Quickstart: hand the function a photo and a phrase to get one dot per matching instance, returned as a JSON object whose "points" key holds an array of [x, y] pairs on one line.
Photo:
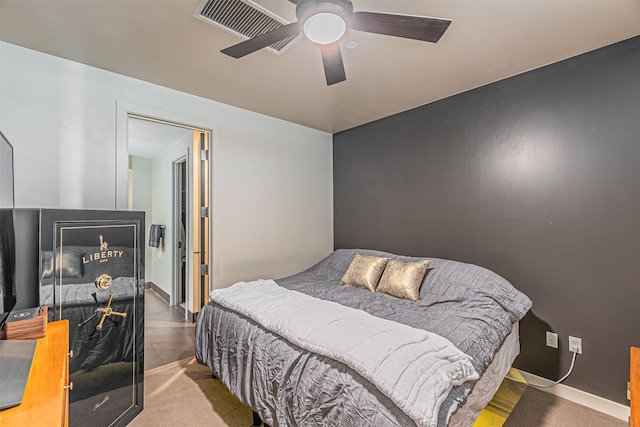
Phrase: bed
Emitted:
{"points": [[306, 350]]}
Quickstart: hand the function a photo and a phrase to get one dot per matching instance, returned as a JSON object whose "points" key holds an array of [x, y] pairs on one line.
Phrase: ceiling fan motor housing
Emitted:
{"points": [[308, 8]]}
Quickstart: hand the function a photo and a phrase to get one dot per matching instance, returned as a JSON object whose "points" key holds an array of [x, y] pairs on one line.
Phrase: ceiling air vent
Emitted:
{"points": [[243, 18]]}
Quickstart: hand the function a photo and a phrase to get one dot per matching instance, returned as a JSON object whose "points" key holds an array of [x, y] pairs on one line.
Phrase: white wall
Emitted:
{"points": [[141, 192], [162, 211], [272, 180]]}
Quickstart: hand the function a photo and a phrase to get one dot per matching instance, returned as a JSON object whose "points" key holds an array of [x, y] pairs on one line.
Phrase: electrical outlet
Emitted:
{"points": [[575, 344], [552, 339]]}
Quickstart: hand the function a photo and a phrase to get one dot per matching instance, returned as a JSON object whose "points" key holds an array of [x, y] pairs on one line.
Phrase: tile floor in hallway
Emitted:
{"points": [[167, 336]]}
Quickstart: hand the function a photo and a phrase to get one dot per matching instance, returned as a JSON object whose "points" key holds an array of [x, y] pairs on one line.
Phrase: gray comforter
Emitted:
{"points": [[466, 304]]}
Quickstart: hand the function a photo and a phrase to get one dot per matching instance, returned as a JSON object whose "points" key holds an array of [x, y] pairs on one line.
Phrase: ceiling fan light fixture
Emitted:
{"points": [[325, 22], [324, 28]]}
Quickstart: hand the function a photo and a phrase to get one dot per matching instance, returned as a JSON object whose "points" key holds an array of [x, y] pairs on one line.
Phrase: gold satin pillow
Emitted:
{"points": [[364, 271], [402, 279]]}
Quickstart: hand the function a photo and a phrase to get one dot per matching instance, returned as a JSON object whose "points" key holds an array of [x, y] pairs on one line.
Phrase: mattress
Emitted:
{"points": [[489, 382]]}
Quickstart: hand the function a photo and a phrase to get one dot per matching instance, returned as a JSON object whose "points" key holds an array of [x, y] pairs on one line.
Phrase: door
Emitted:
{"points": [[199, 221], [97, 286]]}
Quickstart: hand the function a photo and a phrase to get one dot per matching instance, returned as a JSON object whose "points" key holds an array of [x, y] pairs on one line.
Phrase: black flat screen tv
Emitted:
{"points": [[7, 232]]}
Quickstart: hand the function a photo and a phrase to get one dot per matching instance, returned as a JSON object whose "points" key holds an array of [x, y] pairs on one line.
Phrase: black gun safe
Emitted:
{"points": [[88, 267]]}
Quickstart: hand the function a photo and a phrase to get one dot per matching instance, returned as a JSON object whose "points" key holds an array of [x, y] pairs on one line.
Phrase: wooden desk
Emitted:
{"points": [[46, 397]]}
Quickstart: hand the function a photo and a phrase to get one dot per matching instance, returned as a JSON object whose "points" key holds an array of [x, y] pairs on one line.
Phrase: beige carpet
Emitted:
{"points": [[184, 393], [517, 405], [538, 408]]}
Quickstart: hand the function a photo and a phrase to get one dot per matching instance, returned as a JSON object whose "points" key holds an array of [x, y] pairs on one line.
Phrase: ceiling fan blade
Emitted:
{"points": [[407, 26], [333, 65], [249, 46]]}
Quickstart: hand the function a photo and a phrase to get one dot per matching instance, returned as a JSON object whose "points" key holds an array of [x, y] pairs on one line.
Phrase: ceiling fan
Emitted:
{"points": [[324, 22]]}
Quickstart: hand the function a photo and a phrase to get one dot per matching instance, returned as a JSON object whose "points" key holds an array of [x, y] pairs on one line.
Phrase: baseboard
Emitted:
{"points": [[580, 397], [192, 316], [165, 296], [158, 290]]}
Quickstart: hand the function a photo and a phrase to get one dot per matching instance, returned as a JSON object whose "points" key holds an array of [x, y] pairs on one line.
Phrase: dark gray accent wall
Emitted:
{"points": [[536, 177]]}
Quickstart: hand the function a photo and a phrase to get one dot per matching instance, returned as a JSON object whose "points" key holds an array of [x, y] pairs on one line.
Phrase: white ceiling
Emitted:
{"points": [[160, 41], [148, 138]]}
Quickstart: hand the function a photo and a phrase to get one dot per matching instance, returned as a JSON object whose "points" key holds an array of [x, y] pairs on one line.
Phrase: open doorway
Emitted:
{"points": [[175, 166], [181, 214]]}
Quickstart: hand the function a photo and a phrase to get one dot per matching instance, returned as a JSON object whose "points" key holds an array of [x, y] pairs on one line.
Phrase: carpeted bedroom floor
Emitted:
{"points": [[517, 405], [184, 393], [179, 391]]}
